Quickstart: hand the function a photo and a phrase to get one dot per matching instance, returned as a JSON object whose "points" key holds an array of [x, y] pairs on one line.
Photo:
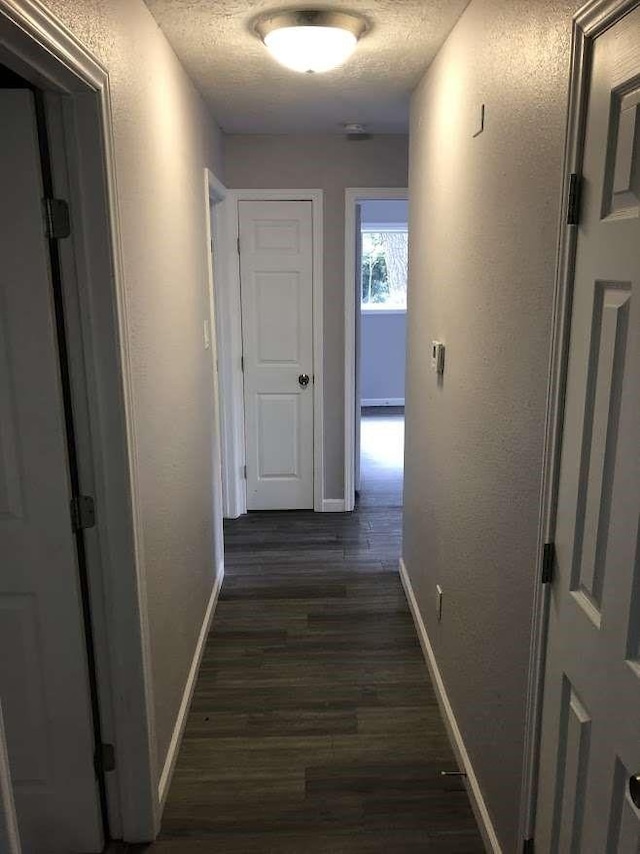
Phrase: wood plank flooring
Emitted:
{"points": [[314, 727]]}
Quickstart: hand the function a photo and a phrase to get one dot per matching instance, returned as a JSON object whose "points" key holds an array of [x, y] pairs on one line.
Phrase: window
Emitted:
{"points": [[385, 253]]}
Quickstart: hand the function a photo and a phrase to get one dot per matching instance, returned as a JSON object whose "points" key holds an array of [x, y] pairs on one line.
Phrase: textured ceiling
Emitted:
{"points": [[250, 93]]}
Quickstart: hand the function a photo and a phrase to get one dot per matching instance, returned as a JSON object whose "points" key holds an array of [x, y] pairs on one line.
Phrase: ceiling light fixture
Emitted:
{"points": [[310, 40]]}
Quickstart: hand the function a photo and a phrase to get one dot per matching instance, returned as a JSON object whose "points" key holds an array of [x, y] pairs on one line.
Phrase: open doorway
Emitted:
{"points": [[383, 263], [377, 264]]}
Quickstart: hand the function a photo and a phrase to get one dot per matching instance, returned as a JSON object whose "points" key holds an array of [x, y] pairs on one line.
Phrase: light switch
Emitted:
{"points": [[437, 357]]}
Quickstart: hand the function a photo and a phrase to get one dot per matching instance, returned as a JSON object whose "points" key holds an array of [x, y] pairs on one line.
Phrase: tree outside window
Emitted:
{"points": [[384, 269]]}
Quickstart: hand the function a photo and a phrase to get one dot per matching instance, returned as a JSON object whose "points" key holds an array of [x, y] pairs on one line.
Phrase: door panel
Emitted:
{"points": [[44, 681], [277, 318], [591, 727], [276, 264], [278, 416]]}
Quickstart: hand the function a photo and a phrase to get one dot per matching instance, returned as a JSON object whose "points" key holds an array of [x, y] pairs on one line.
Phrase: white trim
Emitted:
{"points": [[333, 505], [234, 353], [353, 195], [187, 695], [381, 311], [217, 190], [473, 786], [9, 834], [229, 329], [592, 20], [225, 453], [383, 226], [382, 401], [214, 193], [34, 43]]}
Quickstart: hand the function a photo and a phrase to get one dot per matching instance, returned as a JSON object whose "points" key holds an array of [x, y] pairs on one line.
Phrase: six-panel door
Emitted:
{"points": [[276, 275], [591, 717]]}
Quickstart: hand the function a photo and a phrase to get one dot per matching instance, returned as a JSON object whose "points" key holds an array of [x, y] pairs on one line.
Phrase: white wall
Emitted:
{"points": [[385, 211], [164, 137], [483, 225], [382, 356], [331, 163]]}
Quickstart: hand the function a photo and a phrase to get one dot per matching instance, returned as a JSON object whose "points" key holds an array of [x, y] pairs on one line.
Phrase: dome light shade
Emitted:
{"points": [[310, 41], [310, 48]]}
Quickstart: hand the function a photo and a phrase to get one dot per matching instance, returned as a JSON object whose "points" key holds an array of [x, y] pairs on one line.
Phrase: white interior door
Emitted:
{"points": [[591, 714], [276, 276], [44, 685]]}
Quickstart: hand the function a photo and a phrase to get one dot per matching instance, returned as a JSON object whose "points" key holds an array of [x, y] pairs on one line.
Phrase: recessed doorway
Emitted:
{"points": [[375, 334]]}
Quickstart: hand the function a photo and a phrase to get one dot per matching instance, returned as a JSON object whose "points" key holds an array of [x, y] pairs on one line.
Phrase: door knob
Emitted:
{"points": [[634, 789], [303, 379]]}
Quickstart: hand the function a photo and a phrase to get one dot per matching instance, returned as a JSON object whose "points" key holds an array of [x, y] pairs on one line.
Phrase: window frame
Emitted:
{"points": [[375, 228]]}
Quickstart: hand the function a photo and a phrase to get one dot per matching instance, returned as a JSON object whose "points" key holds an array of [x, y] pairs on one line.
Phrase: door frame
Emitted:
{"points": [[9, 834], [354, 195], [588, 23], [230, 325], [39, 48], [216, 203]]}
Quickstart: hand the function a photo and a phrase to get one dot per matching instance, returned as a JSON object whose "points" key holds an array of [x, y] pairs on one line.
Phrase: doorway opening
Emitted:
{"points": [[377, 264], [72, 597]]}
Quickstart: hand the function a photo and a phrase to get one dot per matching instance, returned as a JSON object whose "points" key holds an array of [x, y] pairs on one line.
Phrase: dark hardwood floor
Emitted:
{"points": [[314, 726]]}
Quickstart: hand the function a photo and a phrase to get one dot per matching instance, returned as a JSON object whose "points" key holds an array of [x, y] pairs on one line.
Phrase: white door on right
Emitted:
{"points": [[590, 755], [276, 277]]}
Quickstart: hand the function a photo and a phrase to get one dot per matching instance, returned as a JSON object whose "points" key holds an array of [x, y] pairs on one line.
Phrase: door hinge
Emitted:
{"points": [[57, 223], [548, 563], [83, 512], [238, 245], [527, 846], [104, 759], [242, 364], [573, 199], [244, 472]]}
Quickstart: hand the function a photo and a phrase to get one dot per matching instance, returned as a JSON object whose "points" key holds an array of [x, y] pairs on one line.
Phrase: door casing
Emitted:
{"points": [[230, 330], [37, 46], [9, 834], [588, 23]]}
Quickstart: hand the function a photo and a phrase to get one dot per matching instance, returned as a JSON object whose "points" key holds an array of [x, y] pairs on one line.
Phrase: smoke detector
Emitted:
{"points": [[356, 131]]}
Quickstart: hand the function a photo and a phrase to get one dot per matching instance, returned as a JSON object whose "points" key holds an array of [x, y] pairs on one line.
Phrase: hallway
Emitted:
{"points": [[314, 727], [382, 459]]}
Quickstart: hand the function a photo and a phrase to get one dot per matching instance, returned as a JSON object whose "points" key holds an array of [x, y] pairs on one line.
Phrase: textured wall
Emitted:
{"points": [[485, 211], [382, 355], [331, 163], [164, 137]]}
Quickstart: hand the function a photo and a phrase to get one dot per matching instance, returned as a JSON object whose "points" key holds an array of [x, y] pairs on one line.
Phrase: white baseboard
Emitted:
{"points": [[181, 720], [382, 401], [475, 793], [333, 505]]}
